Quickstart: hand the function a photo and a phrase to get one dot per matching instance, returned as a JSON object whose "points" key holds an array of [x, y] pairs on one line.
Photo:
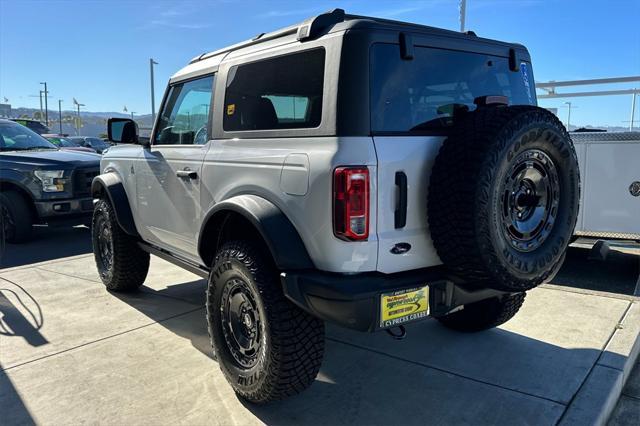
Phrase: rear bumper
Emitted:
{"points": [[353, 301]]}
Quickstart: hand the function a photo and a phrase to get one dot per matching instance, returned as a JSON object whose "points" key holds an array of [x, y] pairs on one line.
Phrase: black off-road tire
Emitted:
{"points": [[485, 314], [466, 199], [290, 341], [17, 220], [129, 264]]}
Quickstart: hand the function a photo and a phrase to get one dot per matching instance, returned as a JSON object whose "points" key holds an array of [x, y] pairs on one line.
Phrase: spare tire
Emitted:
{"points": [[503, 196]]}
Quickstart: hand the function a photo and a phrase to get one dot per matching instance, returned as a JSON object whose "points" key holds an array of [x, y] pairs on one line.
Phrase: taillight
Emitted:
{"points": [[351, 203]]}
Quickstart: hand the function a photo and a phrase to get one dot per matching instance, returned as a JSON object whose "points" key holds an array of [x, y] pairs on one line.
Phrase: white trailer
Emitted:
{"points": [[610, 176]]}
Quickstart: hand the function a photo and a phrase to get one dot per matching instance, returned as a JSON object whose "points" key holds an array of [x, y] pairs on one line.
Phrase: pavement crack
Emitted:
{"points": [[101, 339], [68, 275], [597, 362]]}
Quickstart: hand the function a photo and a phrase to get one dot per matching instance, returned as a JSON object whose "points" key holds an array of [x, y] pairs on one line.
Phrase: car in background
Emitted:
{"points": [[67, 145], [41, 184], [34, 125], [90, 142]]}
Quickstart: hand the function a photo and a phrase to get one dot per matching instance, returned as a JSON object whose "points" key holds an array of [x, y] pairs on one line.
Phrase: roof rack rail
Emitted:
{"points": [[313, 26], [308, 29]]}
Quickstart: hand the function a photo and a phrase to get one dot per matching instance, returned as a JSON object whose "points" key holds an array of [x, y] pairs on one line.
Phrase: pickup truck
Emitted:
{"points": [[41, 184]]}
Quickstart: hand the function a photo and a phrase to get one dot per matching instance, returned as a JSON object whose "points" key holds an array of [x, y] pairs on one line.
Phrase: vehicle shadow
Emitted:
{"points": [[372, 379], [13, 323], [619, 273], [13, 409], [191, 324], [48, 243]]}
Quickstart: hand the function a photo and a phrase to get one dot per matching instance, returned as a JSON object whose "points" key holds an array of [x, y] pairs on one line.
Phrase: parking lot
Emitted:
{"points": [[73, 353]]}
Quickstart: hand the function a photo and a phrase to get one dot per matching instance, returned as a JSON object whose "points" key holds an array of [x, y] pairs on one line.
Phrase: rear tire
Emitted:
{"points": [[122, 264], [485, 314], [267, 347], [17, 220]]}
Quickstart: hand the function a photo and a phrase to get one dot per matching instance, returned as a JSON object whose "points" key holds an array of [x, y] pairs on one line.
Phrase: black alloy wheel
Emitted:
{"points": [[242, 323], [529, 205], [104, 244]]}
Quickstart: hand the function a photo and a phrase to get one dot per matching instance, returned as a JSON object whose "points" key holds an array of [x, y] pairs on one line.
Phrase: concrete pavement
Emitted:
{"points": [[71, 353]]}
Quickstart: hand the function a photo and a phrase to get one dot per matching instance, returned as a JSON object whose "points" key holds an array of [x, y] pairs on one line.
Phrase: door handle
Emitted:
{"points": [[400, 214], [186, 173]]}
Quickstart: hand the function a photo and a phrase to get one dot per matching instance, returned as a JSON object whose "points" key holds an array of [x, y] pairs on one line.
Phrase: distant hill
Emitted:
{"points": [[95, 123], [92, 123]]}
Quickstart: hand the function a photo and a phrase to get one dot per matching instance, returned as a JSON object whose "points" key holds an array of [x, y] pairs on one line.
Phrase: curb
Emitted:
{"points": [[597, 397]]}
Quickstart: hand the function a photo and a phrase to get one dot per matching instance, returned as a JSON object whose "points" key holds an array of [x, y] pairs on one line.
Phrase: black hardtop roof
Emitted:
{"points": [[338, 20]]}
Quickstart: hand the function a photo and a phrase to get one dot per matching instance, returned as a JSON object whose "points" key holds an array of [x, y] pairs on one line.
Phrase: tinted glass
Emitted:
{"points": [[277, 93], [186, 113], [36, 126], [423, 93], [15, 137], [97, 143]]}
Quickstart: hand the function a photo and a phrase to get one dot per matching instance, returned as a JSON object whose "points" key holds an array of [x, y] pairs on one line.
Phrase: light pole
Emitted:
{"points": [[60, 114], [46, 107], [153, 99], [633, 111], [41, 112], [463, 14], [78, 105], [568, 115], [132, 112]]}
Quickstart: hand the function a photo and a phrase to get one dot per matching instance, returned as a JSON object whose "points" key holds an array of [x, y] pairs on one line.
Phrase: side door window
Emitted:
{"points": [[184, 118], [168, 174]]}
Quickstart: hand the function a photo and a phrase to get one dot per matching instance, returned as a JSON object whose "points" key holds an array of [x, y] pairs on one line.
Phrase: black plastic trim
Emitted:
{"points": [[406, 46], [353, 300], [184, 264], [277, 231], [111, 184]]}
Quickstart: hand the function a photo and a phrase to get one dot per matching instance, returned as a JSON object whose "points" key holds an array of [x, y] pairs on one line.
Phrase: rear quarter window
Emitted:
{"points": [[284, 92], [422, 94]]}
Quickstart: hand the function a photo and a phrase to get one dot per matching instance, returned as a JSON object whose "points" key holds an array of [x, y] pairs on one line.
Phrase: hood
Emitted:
{"points": [[52, 158], [78, 148]]}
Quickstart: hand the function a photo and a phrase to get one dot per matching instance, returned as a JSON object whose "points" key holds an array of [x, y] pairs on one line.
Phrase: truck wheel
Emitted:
{"points": [[16, 217], [267, 347], [485, 314], [503, 197], [121, 263]]}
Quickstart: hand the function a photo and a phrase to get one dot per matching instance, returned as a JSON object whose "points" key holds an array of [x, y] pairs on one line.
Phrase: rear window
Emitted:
{"points": [[276, 93], [422, 94]]}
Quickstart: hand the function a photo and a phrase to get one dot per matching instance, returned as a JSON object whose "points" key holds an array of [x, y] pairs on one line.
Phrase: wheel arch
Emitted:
{"points": [[272, 226], [8, 185], [110, 184]]}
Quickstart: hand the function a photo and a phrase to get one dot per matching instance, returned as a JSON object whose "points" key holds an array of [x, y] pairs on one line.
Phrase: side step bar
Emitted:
{"points": [[184, 264]]}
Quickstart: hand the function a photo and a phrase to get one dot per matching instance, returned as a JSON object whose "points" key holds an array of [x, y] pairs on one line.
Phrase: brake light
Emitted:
{"points": [[351, 203]]}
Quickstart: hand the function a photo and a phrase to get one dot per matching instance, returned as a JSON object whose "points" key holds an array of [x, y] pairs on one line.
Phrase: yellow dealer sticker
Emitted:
{"points": [[403, 306], [231, 109]]}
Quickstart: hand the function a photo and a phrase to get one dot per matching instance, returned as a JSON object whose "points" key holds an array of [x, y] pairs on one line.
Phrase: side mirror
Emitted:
{"points": [[122, 130]]}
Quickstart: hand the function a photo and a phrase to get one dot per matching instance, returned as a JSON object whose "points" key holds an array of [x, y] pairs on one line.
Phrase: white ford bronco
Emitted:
{"points": [[348, 169]]}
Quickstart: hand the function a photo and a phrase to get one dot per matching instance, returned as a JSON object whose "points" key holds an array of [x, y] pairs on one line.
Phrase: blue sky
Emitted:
{"points": [[98, 51]]}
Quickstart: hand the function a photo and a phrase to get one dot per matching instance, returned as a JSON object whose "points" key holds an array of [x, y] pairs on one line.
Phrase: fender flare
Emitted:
{"points": [[111, 184], [277, 231]]}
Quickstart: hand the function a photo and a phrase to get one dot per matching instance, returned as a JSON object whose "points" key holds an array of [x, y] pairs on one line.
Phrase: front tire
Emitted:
{"points": [[484, 314], [267, 347], [121, 263], [16, 217]]}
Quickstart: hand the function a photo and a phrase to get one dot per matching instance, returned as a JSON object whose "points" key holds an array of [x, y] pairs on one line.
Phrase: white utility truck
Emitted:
{"points": [[610, 176]]}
